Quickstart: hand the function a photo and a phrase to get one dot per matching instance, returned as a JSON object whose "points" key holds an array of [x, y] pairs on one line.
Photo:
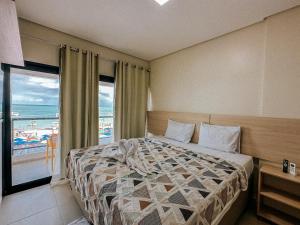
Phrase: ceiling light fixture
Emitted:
{"points": [[161, 2]]}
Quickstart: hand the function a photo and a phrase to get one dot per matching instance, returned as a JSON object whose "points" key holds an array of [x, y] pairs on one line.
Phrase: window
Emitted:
{"points": [[106, 109], [1, 93]]}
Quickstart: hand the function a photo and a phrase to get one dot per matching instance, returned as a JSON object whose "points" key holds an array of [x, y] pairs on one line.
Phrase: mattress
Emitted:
{"points": [[245, 161], [187, 186]]}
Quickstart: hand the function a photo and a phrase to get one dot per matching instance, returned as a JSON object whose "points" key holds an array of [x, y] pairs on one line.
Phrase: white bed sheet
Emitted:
{"points": [[245, 161]]}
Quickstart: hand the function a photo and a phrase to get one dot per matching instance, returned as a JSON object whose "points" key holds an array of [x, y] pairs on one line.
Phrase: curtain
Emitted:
{"points": [[78, 101], [131, 94]]}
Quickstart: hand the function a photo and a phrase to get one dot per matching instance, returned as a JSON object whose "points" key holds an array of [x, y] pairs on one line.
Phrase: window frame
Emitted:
{"points": [[107, 79]]}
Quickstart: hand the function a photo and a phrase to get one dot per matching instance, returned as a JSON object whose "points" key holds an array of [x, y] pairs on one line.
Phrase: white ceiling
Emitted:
{"points": [[145, 29]]}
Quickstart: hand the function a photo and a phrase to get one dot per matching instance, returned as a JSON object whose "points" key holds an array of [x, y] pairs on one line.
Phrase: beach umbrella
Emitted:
{"points": [[19, 141], [45, 137]]}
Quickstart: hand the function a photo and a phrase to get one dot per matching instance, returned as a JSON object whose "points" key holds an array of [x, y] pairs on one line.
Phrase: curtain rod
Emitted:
{"points": [[139, 67], [60, 45], [57, 45], [126, 64], [83, 51]]}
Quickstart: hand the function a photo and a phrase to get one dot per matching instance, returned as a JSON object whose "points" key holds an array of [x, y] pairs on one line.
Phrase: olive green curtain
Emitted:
{"points": [[131, 95], [78, 100]]}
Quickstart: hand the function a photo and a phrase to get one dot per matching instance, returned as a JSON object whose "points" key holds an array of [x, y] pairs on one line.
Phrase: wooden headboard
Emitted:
{"points": [[271, 139]]}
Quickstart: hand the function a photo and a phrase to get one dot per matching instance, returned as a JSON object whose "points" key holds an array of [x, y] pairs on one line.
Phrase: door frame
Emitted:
{"points": [[7, 187]]}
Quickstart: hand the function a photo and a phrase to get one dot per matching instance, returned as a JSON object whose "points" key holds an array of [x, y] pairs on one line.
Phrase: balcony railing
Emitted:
{"points": [[106, 129], [30, 134]]}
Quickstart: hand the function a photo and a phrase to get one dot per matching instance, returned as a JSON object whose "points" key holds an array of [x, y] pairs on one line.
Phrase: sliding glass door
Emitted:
{"points": [[1, 123], [31, 110]]}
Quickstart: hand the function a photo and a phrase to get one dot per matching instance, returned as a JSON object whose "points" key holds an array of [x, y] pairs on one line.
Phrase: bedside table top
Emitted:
{"points": [[277, 172]]}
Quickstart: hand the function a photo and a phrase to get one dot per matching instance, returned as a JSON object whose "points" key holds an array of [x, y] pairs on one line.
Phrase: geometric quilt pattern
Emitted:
{"points": [[185, 188]]}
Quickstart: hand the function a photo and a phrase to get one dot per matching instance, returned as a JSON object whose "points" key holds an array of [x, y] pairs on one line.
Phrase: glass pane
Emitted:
{"points": [[106, 112], [35, 101], [1, 93]]}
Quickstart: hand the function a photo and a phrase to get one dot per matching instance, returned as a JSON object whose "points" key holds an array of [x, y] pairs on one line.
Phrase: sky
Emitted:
{"points": [[106, 96], [33, 90]]}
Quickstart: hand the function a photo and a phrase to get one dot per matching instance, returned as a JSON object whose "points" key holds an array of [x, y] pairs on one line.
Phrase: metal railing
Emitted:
{"points": [[29, 145], [39, 144], [33, 118], [48, 118]]}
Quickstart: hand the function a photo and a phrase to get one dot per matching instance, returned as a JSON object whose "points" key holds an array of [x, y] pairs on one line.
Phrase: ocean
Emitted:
{"points": [[35, 110], [41, 111]]}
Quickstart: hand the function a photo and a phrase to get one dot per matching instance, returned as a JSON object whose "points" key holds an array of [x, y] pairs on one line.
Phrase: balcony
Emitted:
{"points": [[29, 145]]}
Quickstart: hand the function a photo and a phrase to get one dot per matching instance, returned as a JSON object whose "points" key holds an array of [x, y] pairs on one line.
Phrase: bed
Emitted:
{"points": [[190, 185]]}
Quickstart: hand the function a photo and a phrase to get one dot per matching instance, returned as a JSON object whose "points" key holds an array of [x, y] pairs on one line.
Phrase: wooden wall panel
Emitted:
{"points": [[157, 121], [271, 139]]}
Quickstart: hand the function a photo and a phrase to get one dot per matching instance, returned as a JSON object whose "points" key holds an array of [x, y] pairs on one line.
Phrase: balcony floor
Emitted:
{"points": [[30, 170]]}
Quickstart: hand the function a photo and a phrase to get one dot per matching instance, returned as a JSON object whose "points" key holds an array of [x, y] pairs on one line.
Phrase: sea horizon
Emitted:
{"points": [[42, 111]]}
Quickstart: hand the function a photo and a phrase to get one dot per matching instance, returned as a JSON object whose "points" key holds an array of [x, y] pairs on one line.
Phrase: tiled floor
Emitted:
{"points": [[57, 206], [40, 206]]}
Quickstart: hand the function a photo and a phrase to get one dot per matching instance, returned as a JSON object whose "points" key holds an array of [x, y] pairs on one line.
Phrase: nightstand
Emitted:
{"points": [[278, 196]]}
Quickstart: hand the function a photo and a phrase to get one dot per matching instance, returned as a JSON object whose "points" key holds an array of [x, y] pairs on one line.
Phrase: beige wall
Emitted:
{"points": [[281, 95], [253, 71], [41, 44]]}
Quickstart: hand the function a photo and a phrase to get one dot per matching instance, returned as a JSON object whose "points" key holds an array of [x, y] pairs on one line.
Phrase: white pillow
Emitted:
{"points": [[222, 138], [182, 132]]}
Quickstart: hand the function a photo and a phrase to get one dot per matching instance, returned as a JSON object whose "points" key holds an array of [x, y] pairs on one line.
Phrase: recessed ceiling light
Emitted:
{"points": [[161, 2]]}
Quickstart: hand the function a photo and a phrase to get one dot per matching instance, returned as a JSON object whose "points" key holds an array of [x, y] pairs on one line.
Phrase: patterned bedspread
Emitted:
{"points": [[184, 187]]}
